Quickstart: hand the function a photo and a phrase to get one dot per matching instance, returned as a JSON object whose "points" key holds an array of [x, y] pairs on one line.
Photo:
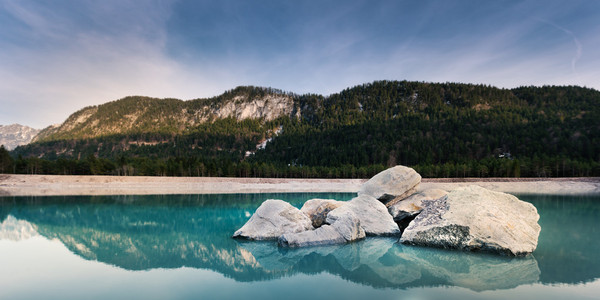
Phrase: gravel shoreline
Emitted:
{"points": [[57, 185]]}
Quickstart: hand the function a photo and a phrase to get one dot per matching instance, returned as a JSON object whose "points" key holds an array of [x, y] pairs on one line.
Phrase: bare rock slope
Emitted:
{"points": [[137, 114], [15, 135]]}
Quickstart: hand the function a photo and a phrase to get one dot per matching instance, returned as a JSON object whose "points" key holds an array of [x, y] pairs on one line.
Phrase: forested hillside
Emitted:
{"points": [[441, 129]]}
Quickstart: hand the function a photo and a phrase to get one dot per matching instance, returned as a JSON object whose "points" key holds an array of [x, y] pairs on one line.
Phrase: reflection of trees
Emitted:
{"points": [[145, 232], [139, 233]]}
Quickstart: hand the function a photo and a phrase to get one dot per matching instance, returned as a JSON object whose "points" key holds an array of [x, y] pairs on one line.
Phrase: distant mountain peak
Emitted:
{"points": [[15, 135]]}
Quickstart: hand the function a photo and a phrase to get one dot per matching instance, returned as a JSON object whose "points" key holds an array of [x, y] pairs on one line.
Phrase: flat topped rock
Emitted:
{"points": [[391, 185], [476, 219], [272, 219]]}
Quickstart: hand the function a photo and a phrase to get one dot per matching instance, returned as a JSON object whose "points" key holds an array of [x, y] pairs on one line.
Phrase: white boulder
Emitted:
{"points": [[272, 219], [391, 185], [476, 219], [345, 221], [372, 214], [341, 226]]}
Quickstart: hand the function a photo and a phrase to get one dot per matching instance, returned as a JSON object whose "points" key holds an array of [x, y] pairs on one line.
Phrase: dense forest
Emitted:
{"points": [[440, 129]]}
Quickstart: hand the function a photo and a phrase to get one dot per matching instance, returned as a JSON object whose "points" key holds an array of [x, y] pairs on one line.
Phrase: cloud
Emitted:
{"points": [[57, 57], [59, 64], [578, 45]]}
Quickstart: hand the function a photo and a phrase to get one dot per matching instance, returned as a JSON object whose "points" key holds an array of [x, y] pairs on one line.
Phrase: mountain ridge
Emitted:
{"points": [[441, 129], [139, 114]]}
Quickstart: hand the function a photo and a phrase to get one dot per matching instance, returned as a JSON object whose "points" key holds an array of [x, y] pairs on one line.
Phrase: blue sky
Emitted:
{"points": [[59, 56]]}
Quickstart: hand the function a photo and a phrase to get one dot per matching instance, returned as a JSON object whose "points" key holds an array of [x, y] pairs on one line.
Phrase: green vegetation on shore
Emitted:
{"points": [[440, 129]]}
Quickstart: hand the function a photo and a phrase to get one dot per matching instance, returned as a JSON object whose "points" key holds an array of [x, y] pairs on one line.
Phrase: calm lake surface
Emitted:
{"points": [[179, 247]]}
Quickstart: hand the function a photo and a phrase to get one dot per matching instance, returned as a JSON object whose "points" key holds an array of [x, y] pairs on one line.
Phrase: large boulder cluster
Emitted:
{"points": [[390, 204]]}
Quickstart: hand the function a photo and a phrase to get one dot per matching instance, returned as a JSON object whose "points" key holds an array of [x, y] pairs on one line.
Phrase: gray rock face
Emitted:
{"points": [[272, 219], [373, 215], [317, 209], [391, 185], [268, 107], [413, 205], [476, 219]]}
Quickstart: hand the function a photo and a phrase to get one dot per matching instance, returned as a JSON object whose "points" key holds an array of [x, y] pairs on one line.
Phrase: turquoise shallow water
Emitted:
{"points": [[179, 247]]}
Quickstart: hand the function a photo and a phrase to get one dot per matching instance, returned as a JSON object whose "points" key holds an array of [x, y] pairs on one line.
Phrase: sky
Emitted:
{"points": [[59, 56]]}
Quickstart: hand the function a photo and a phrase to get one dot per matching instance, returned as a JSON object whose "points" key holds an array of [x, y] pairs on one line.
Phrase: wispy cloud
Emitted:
{"points": [[57, 57], [60, 65], [578, 45]]}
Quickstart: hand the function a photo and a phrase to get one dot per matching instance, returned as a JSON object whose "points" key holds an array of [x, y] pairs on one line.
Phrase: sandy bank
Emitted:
{"points": [[48, 185], [41, 185]]}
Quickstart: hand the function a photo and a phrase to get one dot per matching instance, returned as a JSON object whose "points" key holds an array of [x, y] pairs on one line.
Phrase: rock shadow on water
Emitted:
{"points": [[382, 262]]}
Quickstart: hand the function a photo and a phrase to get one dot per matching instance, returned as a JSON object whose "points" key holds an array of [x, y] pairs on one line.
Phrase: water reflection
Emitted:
{"points": [[381, 262], [147, 232], [568, 248]]}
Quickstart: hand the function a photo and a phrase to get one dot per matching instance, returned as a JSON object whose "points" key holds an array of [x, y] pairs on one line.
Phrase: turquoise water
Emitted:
{"points": [[179, 247]]}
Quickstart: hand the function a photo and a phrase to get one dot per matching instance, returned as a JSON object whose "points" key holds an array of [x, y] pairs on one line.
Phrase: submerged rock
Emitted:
{"points": [[391, 185], [413, 205], [272, 219], [476, 219], [317, 209]]}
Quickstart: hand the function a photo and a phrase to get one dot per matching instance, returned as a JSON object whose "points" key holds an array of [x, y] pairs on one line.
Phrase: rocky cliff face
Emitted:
{"points": [[15, 135], [269, 108], [144, 114]]}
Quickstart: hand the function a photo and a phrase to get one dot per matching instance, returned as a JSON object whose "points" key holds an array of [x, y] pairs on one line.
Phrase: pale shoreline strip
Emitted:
{"points": [[57, 185]]}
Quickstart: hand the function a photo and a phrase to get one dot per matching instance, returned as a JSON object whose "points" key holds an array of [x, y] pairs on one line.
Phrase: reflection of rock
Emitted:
{"points": [[474, 271], [394, 265], [391, 185], [272, 219], [474, 218], [16, 230]]}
